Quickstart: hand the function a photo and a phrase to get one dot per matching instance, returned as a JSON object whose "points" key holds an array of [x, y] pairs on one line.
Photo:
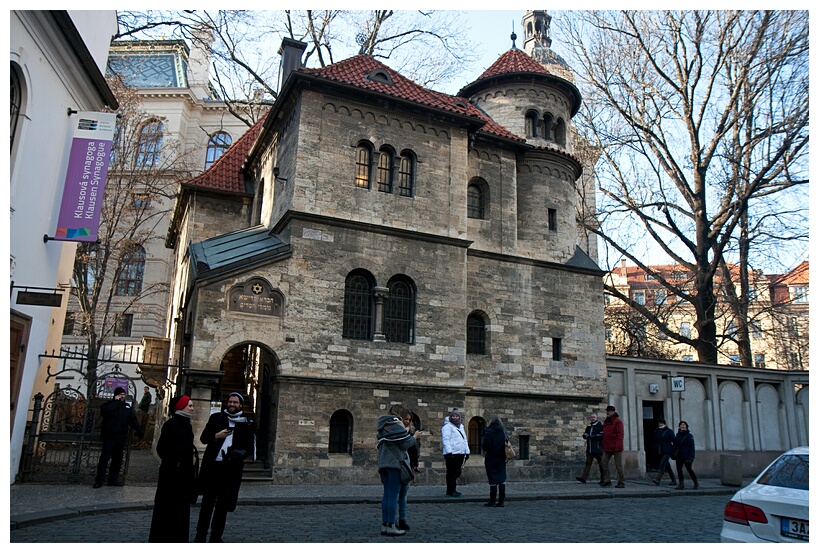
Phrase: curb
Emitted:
{"points": [[40, 517]]}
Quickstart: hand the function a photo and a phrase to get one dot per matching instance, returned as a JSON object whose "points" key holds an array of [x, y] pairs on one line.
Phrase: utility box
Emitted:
{"points": [[730, 470]]}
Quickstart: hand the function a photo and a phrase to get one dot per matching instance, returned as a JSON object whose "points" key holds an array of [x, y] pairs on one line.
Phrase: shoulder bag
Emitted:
{"points": [[508, 450]]}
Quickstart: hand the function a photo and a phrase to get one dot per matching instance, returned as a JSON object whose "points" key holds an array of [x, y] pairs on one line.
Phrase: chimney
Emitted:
{"points": [[290, 52]]}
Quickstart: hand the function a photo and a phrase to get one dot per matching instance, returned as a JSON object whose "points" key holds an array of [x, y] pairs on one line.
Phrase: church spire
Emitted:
{"points": [[537, 42]]}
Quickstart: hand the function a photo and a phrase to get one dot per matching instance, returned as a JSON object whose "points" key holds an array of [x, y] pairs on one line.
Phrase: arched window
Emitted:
{"points": [[16, 101], [217, 144], [475, 201], [476, 334], [474, 434], [399, 310], [560, 132], [150, 144], [548, 123], [385, 170], [358, 306], [341, 432], [531, 124], [131, 272], [406, 174], [363, 164]]}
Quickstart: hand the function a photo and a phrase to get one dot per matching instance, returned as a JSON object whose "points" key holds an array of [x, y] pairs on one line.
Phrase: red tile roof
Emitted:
{"points": [[514, 61], [225, 174], [356, 71]]}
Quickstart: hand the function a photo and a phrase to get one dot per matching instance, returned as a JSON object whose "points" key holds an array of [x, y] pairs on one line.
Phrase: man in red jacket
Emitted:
{"points": [[613, 433]]}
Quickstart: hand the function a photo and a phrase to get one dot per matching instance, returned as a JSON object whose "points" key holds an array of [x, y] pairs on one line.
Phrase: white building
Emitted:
{"points": [[57, 62]]}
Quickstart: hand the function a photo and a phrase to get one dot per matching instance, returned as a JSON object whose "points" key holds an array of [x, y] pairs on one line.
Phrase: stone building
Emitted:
{"points": [[372, 242]]}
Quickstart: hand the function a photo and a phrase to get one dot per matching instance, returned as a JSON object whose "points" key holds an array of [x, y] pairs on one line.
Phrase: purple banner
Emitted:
{"points": [[85, 177]]}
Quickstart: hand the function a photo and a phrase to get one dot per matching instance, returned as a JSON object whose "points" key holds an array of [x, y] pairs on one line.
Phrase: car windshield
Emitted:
{"points": [[789, 471]]}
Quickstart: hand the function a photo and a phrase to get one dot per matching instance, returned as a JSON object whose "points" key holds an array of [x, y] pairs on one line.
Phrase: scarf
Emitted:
{"points": [[232, 420]]}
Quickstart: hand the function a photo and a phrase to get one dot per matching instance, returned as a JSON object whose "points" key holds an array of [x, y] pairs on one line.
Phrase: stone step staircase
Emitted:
{"points": [[255, 472]]}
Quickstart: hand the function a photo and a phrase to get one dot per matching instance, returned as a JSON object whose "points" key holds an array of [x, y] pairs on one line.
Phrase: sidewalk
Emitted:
{"points": [[36, 503]]}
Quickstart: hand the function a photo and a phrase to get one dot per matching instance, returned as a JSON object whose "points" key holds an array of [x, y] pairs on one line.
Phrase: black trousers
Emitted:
{"points": [[112, 449], [219, 497], [454, 465]]}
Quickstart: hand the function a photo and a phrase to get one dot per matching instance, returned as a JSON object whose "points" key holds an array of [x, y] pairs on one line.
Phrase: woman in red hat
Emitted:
{"points": [[176, 487]]}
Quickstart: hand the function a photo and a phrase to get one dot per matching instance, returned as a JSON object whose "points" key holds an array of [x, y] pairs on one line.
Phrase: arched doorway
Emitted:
{"points": [[250, 369]]}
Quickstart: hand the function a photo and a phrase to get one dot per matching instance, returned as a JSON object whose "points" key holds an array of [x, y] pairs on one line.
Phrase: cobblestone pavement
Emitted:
{"points": [[684, 519]]}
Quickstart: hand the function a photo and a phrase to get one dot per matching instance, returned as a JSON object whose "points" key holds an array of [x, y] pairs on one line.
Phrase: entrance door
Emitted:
{"points": [[652, 412], [19, 337], [250, 370]]}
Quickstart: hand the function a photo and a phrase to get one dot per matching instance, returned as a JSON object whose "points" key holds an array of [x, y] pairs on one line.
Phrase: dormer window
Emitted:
{"points": [[380, 76]]}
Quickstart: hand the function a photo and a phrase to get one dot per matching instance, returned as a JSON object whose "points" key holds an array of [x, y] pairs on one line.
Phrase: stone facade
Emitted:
{"points": [[543, 367]]}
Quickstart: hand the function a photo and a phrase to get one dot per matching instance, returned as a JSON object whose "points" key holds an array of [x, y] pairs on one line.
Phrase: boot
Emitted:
{"points": [[493, 492], [501, 495], [681, 486], [696, 483], [402, 524]]}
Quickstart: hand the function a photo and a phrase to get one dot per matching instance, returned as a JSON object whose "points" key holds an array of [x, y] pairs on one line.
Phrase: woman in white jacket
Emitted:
{"points": [[456, 450]]}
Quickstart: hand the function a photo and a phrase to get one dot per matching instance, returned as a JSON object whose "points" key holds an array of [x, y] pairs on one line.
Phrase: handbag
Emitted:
{"points": [[508, 450], [407, 474]]}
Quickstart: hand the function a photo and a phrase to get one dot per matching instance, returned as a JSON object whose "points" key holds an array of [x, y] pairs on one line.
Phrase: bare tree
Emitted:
{"points": [[430, 47], [143, 175], [702, 122]]}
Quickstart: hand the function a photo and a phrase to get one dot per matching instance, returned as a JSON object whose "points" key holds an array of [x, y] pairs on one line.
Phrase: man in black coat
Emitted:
{"points": [[664, 441], [594, 447], [117, 416], [230, 438]]}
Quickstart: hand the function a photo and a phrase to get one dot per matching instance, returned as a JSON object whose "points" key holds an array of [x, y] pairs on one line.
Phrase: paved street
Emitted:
{"points": [[689, 518]]}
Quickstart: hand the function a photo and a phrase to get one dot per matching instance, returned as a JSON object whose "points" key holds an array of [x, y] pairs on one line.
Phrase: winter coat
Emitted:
{"points": [[176, 484], [453, 438], [684, 446], [117, 416], [393, 442], [492, 445], [664, 440], [594, 438], [613, 433], [226, 479]]}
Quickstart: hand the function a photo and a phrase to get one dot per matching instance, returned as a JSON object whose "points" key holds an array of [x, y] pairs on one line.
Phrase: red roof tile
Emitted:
{"points": [[225, 174], [514, 61], [357, 71]]}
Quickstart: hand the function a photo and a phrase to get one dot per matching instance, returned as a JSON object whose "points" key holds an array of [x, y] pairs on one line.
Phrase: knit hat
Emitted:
{"points": [[118, 390], [611, 408], [181, 403], [237, 394]]}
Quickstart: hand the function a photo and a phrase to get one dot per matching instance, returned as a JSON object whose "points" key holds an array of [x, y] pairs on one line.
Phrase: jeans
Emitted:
{"points": [[665, 466], [391, 479], [402, 501]]}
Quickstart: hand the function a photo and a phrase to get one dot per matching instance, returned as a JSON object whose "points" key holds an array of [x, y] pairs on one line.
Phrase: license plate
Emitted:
{"points": [[795, 528]]}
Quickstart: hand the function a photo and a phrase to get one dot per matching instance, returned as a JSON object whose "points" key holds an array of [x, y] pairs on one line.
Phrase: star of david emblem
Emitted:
{"points": [[257, 288]]}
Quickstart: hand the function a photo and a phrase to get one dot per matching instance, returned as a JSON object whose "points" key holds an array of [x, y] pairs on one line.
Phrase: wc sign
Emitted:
{"points": [[677, 383]]}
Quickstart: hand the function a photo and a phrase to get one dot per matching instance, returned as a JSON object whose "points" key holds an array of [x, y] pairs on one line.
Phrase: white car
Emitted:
{"points": [[774, 507]]}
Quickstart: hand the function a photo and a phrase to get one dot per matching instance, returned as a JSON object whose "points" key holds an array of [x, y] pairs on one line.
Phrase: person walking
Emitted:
{"points": [[455, 449], [684, 455], [117, 417], [412, 453], [176, 486], [664, 442], [230, 438], [393, 443], [613, 434], [493, 445], [594, 447]]}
